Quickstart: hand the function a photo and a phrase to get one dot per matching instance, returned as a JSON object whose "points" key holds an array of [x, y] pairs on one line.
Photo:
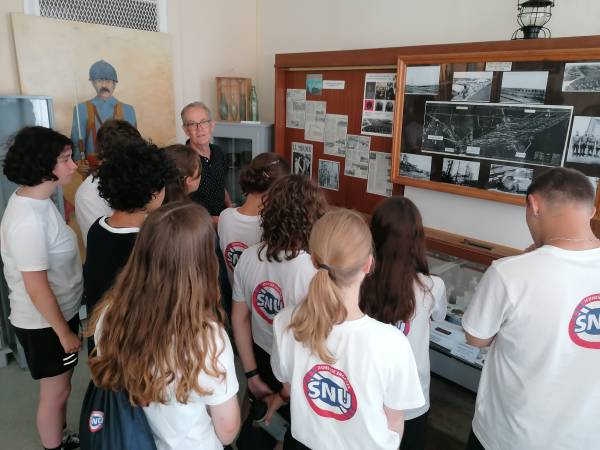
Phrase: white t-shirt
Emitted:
{"points": [[236, 233], [340, 406], [267, 287], [539, 388], [89, 205], [178, 426], [35, 237], [429, 303]]}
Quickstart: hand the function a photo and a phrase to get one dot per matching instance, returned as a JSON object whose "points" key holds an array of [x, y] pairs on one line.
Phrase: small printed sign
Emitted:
{"points": [[334, 84], [498, 66]]}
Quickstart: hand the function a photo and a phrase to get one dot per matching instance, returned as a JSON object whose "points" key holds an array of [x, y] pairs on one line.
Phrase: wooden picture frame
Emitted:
{"points": [[541, 59]]}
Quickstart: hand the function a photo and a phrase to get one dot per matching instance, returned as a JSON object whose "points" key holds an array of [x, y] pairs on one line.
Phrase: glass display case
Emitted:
{"points": [[450, 355], [241, 142]]}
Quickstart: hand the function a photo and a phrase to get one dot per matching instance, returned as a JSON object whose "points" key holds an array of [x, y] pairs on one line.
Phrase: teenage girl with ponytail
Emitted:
{"points": [[239, 228], [343, 371], [402, 292]]}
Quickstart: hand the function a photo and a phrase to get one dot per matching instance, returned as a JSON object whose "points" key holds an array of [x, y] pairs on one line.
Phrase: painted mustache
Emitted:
{"points": [[104, 89]]}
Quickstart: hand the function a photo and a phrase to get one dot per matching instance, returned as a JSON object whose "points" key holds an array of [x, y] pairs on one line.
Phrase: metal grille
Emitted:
{"points": [[136, 14]]}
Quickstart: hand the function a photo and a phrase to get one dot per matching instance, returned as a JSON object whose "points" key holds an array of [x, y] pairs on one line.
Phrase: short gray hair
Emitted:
{"points": [[195, 105]]}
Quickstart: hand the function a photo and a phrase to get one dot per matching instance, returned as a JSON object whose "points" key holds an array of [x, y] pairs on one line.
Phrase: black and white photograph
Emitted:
{"points": [[472, 86], [378, 112], [510, 179], [415, 166], [302, 155], [524, 87], [584, 147], [462, 173], [581, 77], [422, 80], [527, 134], [329, 174]]}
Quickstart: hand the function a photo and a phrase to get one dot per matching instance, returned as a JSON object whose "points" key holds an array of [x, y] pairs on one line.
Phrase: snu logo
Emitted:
{"points": [[329, 392], [584, 327], [267, 300], [233, 251], [96, 422]]}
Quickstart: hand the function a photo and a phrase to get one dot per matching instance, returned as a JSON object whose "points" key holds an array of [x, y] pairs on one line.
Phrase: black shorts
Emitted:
{"points": [[44, 352]]}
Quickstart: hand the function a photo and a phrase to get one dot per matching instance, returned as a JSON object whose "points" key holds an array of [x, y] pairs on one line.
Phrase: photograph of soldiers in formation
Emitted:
{"points": [[329, 174], [581, 77], [584, 147], [535, 135]]}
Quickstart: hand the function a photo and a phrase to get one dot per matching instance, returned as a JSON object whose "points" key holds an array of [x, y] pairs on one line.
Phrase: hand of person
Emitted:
{"points": [[274, 402], [70, 342], [258, 387], [83, 167]]}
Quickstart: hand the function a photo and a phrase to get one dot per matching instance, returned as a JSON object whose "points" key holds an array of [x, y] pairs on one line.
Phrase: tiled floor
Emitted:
{"points": [[449, 419]]}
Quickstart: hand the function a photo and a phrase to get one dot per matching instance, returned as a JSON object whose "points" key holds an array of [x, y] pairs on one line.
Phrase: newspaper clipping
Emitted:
{"points": [[336, 127], [380, 169], [295, 101], [302, 156], [314, 127], [357, 156]]}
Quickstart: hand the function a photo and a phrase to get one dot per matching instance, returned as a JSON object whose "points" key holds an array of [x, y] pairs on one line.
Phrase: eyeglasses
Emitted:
{"points": [[202, 124]]}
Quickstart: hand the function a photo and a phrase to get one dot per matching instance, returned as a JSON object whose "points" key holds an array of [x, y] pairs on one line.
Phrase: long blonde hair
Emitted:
{"points": [[162, 319], [340, 245]]}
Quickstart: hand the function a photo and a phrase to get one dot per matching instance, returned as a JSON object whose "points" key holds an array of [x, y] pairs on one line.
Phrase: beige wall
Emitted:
{"points": [[316, 25], [9, 77], [210, 38]]}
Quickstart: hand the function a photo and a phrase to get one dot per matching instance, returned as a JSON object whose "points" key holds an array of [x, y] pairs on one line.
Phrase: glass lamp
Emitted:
{"points": [[532, 16]]}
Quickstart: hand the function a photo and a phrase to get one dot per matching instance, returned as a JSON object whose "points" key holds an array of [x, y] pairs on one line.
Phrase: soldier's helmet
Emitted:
{"points": [[101, 70]]}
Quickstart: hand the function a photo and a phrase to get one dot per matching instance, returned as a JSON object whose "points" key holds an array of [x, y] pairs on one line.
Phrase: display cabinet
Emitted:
{"points": [[460, 262], [241, 142]]}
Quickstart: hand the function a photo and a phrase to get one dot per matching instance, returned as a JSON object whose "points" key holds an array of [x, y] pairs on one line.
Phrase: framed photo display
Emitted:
{"points": [[485, 124]]}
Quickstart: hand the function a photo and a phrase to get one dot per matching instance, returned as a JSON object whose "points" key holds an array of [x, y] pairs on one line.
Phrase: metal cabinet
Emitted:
{"points": [[241, 142]]}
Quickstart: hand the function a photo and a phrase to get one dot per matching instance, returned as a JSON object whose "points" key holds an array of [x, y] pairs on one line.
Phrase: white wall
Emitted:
{"points": [[287, 26]]}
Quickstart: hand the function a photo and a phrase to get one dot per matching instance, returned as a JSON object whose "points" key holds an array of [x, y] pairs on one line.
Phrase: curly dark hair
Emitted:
{"points": [[262, 172], [292, 205], [32, 155], [131, 176], [112, 134]]}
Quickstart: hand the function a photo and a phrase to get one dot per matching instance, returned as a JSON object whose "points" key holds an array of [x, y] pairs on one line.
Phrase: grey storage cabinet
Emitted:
{"points": [[241, 142]]}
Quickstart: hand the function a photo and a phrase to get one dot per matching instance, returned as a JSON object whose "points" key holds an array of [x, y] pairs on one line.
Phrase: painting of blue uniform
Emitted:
{"points": [[93, 113]]}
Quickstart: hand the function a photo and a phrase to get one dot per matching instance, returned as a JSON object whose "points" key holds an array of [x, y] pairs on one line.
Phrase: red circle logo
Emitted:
{"points": [[584, 327], [267, 300], [329, 392], [233, 251]]}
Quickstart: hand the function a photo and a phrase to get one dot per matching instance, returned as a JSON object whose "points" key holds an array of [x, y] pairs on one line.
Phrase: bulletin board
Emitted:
{"points": [[353, 66]]}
